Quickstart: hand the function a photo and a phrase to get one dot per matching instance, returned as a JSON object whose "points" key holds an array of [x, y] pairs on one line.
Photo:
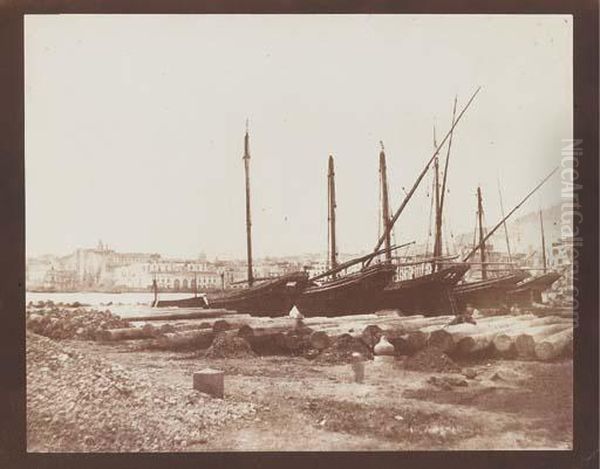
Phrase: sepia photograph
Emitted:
{"points": [[300, 232]]}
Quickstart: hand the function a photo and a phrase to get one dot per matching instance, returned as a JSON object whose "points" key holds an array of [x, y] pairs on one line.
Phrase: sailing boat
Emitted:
{"points": [[261, 297], [486, 292], [491, 292], [349, 294], [530, 290], [429, 293]]}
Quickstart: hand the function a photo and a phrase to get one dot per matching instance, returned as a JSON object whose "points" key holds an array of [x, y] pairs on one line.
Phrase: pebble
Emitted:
{"points": [[95, 407]]}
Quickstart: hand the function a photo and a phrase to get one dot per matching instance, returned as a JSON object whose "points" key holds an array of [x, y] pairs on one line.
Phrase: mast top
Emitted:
{"points": [[246, 144], [382, 147]]}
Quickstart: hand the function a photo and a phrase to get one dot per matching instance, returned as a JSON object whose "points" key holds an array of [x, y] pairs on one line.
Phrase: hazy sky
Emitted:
{"points": [[134, 125]]}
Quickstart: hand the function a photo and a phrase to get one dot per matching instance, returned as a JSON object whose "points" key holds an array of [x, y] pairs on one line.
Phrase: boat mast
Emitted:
{"points": [[443, 192], [513, 210], [445, 180], [543, 242], [331, 212], [410, 193], [481, 240], [385, 203], [437, 245], [246, 159]]}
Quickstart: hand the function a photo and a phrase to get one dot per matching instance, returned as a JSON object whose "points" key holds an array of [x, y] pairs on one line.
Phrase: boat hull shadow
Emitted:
{"points": [[355, 293], [530, 290], [489, 293], [427, 294], [269, 298]]}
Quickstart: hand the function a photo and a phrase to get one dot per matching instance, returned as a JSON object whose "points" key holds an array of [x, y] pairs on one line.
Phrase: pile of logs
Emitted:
{"points": [[511, 336]]}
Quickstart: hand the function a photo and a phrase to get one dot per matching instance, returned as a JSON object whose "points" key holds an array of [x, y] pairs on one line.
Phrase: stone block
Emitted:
{"points": [[210, 382]]}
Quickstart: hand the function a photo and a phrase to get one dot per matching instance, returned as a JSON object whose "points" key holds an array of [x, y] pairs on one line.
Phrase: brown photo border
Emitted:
{"points": [[12, 241]]}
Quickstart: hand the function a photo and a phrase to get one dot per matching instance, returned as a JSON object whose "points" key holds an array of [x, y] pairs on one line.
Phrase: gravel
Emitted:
{"points": [[79, 402], [402, 424]]}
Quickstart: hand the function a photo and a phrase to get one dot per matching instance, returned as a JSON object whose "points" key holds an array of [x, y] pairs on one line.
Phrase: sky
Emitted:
{"points": [[134, 125]]}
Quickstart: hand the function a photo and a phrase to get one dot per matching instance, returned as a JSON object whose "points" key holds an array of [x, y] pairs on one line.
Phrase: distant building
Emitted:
{"points": [[59, 280], [561, 260]]}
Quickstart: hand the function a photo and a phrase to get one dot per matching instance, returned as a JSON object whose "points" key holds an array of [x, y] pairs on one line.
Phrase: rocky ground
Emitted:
{"points": [[69, 323], [78, 401], [89, 396]]}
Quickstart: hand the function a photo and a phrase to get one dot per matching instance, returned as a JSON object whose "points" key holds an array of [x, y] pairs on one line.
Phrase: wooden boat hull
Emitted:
{"points": [[428, 294], [489, 293], [352, 294], [530, 290], [193, 302], [270, 298]]}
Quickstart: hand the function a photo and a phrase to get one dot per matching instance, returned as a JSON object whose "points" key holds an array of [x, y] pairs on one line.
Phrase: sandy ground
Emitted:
{"points": [[303, 405]]}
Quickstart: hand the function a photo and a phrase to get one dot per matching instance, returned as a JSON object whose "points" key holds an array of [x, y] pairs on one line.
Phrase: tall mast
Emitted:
{"points": [[513, 210], [410, 193], [481, 239], [445, 180], [385, 203], [543, 242], [331, 207], [246, 159], [505, 227], [437, 246], [443, 192]]}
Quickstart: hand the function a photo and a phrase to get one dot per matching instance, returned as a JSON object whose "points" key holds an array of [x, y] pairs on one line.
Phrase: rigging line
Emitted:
{"points": [[475, 229], [448, 157], [393, 234], [400, 209], [505, 225], [430, 217], [513, 210]]}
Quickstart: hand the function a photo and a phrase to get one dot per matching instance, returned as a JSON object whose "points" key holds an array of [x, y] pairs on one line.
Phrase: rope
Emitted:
{"points": [[430, 217]]}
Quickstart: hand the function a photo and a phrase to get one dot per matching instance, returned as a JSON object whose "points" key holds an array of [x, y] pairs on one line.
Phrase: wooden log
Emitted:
{"points": [[467, 338], [418, 322], [319, 340], [165, 328], [192, 327], [386, 324], [525, 342], [245, 331], [191, 313], [370, 335], [292, 342], [503, 341], [188, 340], [555, 345], [442, 340], [416, 340], [267, 343], [221, 325], [482, 339], [401, 345], [128, 333], [505, 330]]}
